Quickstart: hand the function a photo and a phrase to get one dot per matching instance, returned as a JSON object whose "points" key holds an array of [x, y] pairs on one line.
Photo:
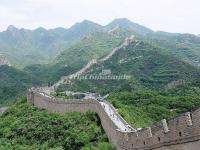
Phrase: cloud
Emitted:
{"points": [[168, 15]]}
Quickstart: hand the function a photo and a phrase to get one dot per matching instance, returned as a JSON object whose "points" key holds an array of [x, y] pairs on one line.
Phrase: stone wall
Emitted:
{"points": [[180, 133], [53, 105]]}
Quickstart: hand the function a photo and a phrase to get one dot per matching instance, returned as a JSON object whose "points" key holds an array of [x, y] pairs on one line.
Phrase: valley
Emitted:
{"points": [[164, 83]]}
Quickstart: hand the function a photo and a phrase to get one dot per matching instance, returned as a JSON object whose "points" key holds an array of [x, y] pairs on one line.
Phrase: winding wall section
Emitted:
{"points": [[181, 133]]}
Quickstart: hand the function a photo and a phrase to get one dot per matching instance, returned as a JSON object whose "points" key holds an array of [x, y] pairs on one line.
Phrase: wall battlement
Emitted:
{"points": [[180, 133]]}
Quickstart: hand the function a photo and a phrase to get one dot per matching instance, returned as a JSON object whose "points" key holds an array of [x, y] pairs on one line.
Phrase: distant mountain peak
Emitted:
{"points": [[121, 19], [127, 24], [85, 27], [86, 23], [40, 29], [12, 28]]}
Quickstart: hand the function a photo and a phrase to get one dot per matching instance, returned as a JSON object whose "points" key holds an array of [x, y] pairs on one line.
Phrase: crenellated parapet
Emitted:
{"points": [[179, 133]]}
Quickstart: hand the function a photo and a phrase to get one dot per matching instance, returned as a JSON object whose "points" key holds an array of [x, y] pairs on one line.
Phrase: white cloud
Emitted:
{"points": [[168, 15]]}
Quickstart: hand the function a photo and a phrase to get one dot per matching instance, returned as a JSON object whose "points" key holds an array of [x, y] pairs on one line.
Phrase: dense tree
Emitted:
{"points": [[25, 127]]}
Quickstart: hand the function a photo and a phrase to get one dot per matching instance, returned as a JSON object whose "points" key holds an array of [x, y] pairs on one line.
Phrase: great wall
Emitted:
{"points": [[180, 133], [66, 79]]}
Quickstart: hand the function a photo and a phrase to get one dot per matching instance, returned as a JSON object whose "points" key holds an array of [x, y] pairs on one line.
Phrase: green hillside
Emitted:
{"points": [[82, 29], [95, 45], [148, 66], [184, 46], [92, 46], [24, 47], [159, 60], [14, 83], [24, 127], [142, 108], [162, 71], [129, 25]]}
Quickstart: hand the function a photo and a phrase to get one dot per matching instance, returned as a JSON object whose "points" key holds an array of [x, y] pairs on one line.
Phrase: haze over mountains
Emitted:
{"points": [[164, 70], [47, 55], [40, 46], [147, 65]]}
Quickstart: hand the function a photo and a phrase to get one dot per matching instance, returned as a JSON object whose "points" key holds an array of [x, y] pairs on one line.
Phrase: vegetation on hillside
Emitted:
{"points": [[24, 47], [25, 127], [14, 83], [142, 108], [183, 46], [95, 45], [167, 58], [163, 69], [148, 67], [161, 85]]}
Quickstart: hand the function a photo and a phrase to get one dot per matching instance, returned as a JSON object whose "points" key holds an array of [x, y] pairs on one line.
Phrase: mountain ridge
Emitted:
{"points": [[68, 56], [149, 67]]}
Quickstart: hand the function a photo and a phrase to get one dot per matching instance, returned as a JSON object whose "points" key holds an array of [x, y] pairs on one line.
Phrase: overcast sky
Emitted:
{"points": [[167, 15]]}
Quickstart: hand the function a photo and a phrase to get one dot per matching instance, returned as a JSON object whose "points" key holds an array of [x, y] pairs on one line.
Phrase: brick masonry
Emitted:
{"points": [[180, 133]]}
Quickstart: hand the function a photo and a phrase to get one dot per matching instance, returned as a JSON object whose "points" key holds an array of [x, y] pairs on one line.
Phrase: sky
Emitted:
{"points": [[180, 16]]}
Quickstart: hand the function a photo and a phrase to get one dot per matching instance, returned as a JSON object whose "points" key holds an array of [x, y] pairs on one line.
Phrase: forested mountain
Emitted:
{"points": [[157, 60], [142, 108], [163, 70], [127, 24], [39, 46], [92, 46], [161, 85], [23, 47], [79, 30], [14, 83], [148, 67], [183, 46]]}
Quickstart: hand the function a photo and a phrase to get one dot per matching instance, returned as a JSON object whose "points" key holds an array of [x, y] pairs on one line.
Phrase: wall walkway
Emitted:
{"points": [[180, 133]]}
